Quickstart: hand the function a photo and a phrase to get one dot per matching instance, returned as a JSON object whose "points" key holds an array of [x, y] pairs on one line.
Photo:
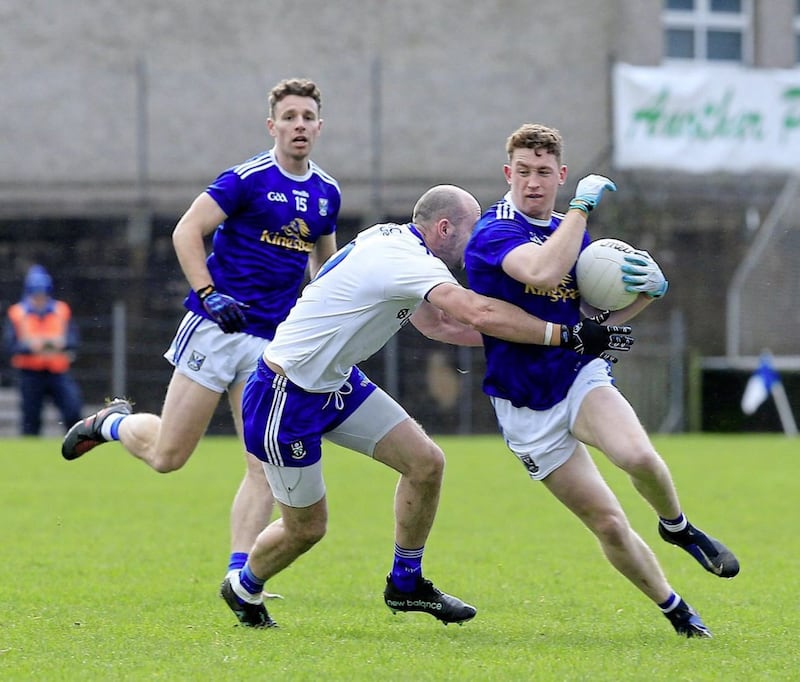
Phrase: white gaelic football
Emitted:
{"points": [[600, 275]]}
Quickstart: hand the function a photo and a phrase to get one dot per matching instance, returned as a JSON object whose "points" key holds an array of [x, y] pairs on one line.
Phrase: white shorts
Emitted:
{"points": [[361, 431], [542, 439], [205, 354]]}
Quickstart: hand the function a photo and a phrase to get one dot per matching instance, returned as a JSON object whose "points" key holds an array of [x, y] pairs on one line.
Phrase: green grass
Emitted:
{"points": [[110, 572]]}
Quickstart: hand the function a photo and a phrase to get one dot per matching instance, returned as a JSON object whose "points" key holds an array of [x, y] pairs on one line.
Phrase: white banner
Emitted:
{"points": [[699, 119]]}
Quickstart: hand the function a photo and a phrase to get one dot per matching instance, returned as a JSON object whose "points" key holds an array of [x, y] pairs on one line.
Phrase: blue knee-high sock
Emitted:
{"points": [[407, 568]]}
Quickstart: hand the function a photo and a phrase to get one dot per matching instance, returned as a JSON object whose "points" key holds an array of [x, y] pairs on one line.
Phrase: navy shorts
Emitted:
{"points": [[284, 424]]}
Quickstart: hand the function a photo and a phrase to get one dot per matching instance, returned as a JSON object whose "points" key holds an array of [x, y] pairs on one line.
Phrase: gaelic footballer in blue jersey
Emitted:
{"points": [[260, 251], [551, 402], [271, 220]]}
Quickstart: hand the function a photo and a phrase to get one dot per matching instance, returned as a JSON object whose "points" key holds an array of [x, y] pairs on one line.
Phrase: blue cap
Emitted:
{"points": [[38, 281]]}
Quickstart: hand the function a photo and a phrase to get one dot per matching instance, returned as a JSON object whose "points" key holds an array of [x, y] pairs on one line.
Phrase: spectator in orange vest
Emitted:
{"points": [[41, 339]]}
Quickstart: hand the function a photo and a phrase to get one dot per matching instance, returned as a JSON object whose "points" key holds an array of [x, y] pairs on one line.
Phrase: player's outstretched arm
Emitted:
{"points": [[483, 314], [436, 324], [504, 320]]}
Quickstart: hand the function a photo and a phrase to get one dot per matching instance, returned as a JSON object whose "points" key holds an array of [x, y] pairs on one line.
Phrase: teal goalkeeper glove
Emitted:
{"points": [[642, 275], [589, 191]]}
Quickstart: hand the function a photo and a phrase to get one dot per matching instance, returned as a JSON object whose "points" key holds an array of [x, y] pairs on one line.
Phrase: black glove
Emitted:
{"points": [[591, 337], [225, 310]]}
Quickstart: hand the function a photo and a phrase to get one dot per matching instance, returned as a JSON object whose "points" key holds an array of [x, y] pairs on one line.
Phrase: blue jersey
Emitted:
{"points": [[536, 377], [259, 253]]}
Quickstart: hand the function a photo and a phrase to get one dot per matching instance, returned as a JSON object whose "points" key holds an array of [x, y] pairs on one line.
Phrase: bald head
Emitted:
{"points": [[443, 201], [445, 215]]}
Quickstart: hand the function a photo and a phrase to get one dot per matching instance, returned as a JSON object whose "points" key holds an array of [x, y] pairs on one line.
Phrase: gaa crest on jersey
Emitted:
{"points": [[298, 449], [323, 206], [195, 361]]}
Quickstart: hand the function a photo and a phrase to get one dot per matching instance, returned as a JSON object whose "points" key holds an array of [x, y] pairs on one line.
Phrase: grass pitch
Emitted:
{"points": [[110, 572]]}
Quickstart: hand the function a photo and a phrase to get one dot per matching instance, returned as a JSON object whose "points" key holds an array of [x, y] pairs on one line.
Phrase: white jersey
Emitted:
{"points": [[361, 297]]}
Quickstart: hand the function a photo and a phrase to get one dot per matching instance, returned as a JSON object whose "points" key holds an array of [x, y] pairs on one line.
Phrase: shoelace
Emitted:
{"points": [[338, 399]]}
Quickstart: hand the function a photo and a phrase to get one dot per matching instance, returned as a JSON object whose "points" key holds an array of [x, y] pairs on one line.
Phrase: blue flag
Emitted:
{"points": [[760, 384]]}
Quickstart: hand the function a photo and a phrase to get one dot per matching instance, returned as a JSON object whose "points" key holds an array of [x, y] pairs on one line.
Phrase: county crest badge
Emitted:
{"points": [[196, 361]]}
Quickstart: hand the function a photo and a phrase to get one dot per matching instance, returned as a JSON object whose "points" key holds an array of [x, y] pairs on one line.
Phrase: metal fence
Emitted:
{"points": [[439, 384]]}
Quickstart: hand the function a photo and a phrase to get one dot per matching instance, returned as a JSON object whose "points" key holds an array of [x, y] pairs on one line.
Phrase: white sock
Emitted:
{"points": [[242, 593], [675, 525], [671, 604], [107, 427]]}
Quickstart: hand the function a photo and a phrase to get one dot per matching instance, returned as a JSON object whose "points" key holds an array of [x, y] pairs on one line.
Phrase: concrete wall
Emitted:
{"points": [[105, 102]]}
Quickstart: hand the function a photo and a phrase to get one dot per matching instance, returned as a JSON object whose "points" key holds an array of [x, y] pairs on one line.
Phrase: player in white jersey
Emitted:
{"points": [[273, 218], [307, 386], [549, 401]]}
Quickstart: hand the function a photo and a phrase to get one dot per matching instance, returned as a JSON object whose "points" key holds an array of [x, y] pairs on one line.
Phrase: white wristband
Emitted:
{"points": [[548, 333]]}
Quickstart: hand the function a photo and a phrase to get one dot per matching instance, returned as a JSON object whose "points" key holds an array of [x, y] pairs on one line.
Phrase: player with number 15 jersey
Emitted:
{"points": [[259, 253]]}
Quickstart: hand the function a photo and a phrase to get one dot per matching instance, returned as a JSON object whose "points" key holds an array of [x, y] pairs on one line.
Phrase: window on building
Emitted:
{"points": [[708, 30]]}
